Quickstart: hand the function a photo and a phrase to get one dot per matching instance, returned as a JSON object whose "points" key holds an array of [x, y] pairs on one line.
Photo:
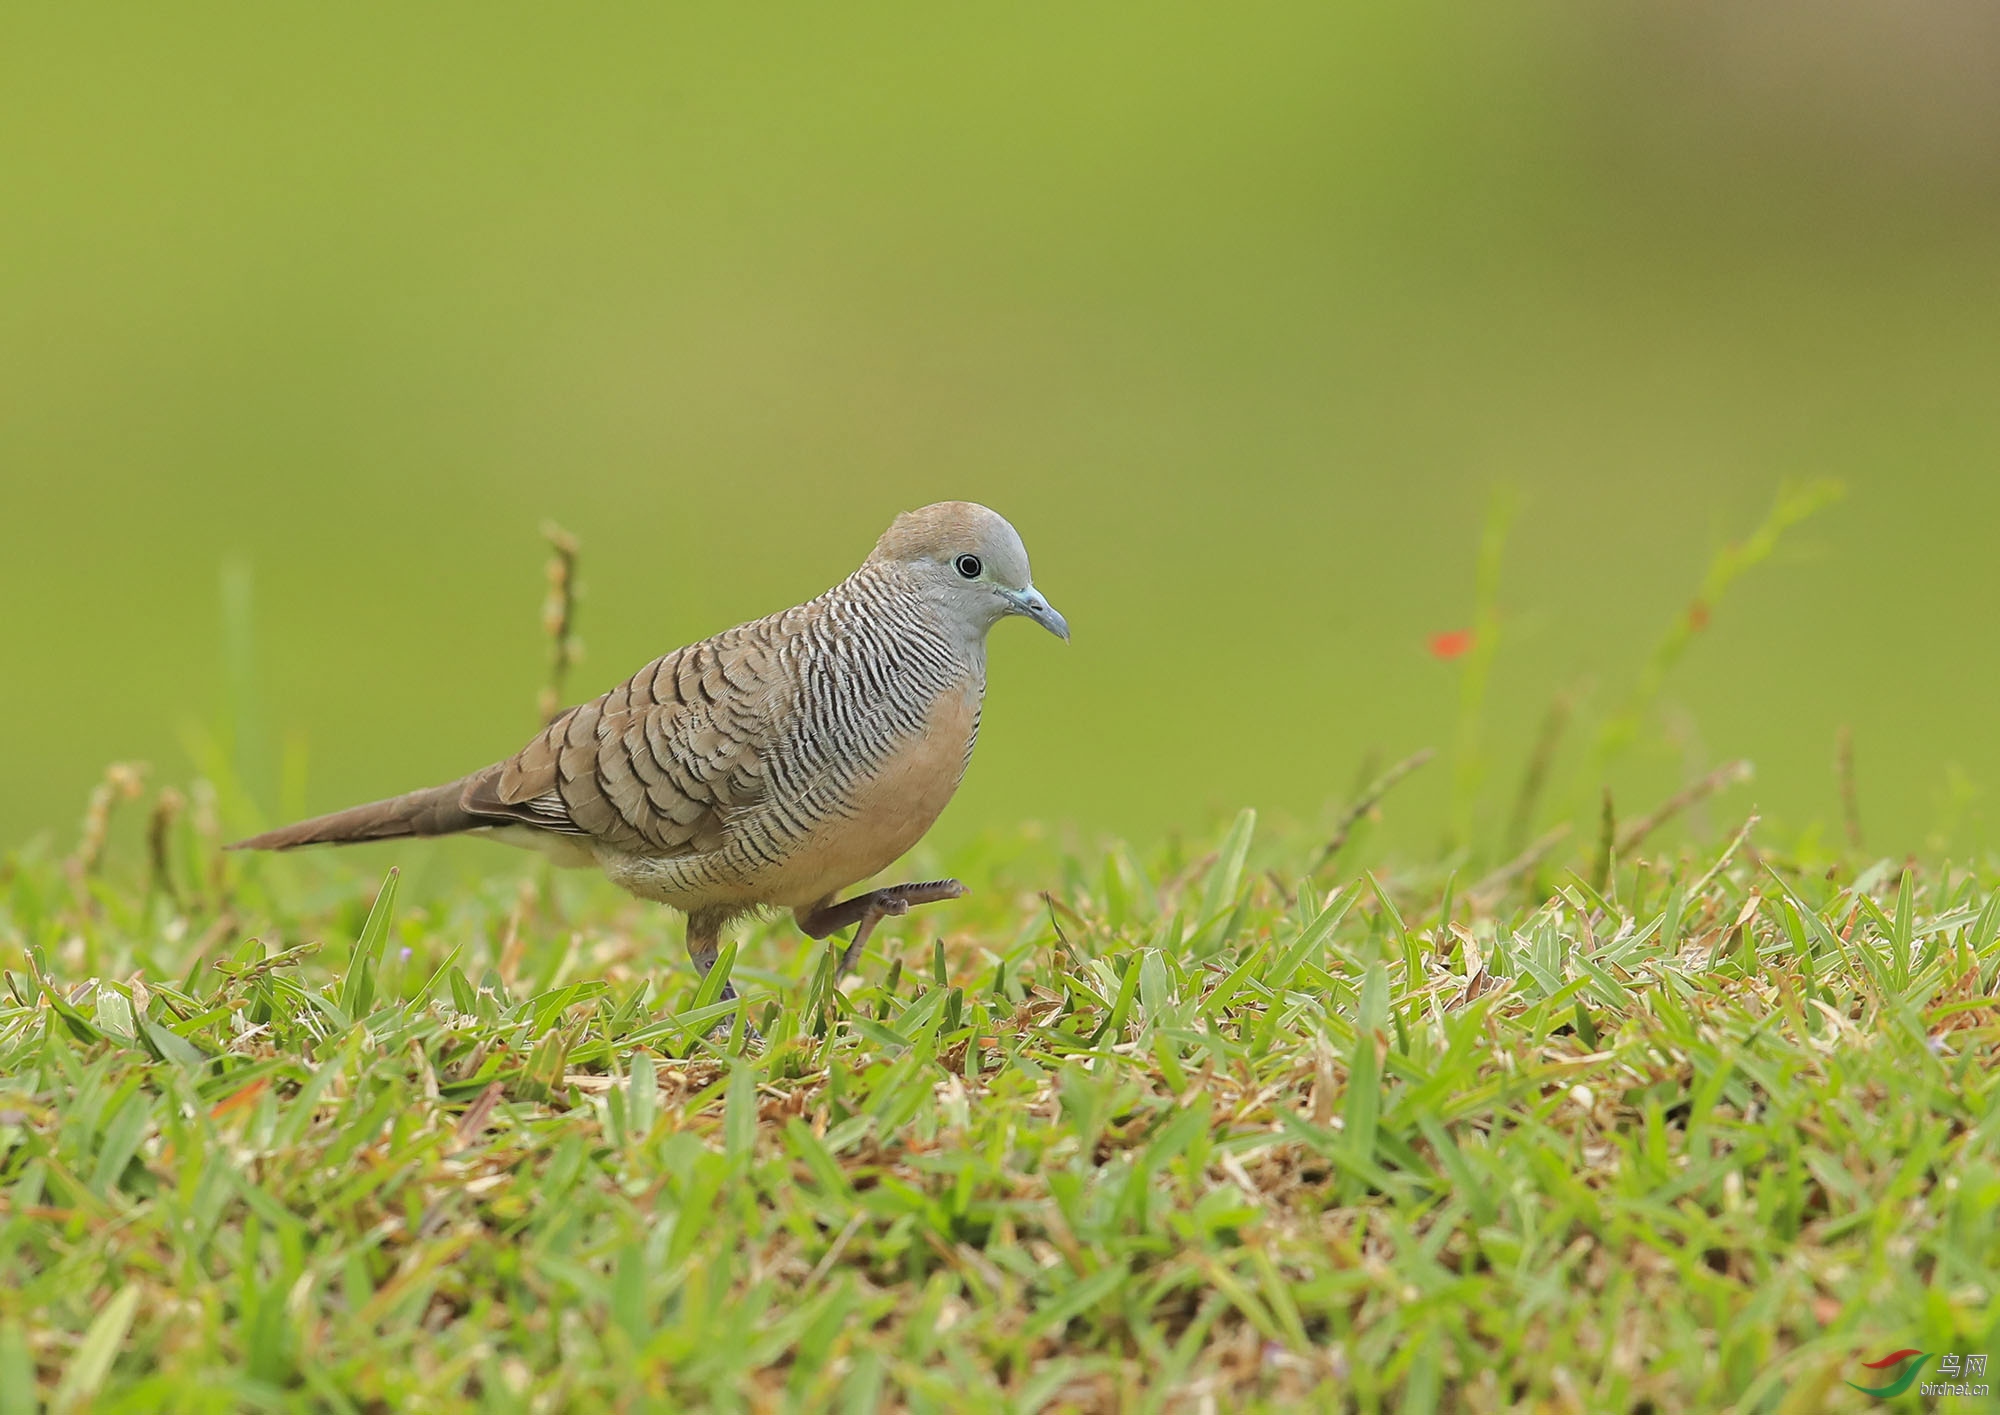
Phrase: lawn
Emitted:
{"points": [[1180, 1128]]}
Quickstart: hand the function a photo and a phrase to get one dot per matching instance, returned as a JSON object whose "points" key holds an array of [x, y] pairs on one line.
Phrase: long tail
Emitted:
{"points": [[433, 811]]}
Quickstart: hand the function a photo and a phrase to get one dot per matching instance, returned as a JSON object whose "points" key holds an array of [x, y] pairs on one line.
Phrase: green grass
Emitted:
{"points": [[1166, 1138]]}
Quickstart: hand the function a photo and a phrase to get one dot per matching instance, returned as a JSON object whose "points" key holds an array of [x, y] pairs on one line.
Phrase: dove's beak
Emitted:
{"points": [[1029, 604]]}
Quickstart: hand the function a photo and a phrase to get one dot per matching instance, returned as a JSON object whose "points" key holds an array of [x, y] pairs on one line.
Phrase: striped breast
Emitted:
{"points": [[870, 717]]}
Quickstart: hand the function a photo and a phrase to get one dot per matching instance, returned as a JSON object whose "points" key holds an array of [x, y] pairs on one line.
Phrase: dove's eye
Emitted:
{"points": [[968, 566]]}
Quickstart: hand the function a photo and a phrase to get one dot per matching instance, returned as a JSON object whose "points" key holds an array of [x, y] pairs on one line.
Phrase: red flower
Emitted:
{"points": [[1451, 643]]}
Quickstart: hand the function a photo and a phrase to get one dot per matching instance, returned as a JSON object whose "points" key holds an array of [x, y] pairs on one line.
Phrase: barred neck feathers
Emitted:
{"points": [[871, 662], [896, 641]]}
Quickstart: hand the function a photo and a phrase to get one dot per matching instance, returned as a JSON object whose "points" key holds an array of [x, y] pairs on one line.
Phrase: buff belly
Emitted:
{"points": [[883, 816]]}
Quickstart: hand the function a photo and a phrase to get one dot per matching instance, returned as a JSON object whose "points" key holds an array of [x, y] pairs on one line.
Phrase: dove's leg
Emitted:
{"points": [[704, 937], [867, 910], [704, 940]]}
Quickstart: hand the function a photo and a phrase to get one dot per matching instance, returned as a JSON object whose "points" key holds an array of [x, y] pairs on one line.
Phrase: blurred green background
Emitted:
{"points": [[1241, 314]]}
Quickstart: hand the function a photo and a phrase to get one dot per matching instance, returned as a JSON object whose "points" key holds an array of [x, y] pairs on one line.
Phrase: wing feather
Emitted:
{"points": [[659, 764]]}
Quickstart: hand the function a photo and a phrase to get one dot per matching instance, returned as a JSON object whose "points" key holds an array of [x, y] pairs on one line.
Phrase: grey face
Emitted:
{"points": [[971, 563], [983, 573]]}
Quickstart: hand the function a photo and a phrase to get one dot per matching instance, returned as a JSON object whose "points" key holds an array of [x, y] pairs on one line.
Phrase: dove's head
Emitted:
{"points": [[970, 563]]}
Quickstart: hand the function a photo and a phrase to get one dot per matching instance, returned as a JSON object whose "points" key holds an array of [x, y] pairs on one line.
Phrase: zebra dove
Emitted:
{"points": [[772, 765]]}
